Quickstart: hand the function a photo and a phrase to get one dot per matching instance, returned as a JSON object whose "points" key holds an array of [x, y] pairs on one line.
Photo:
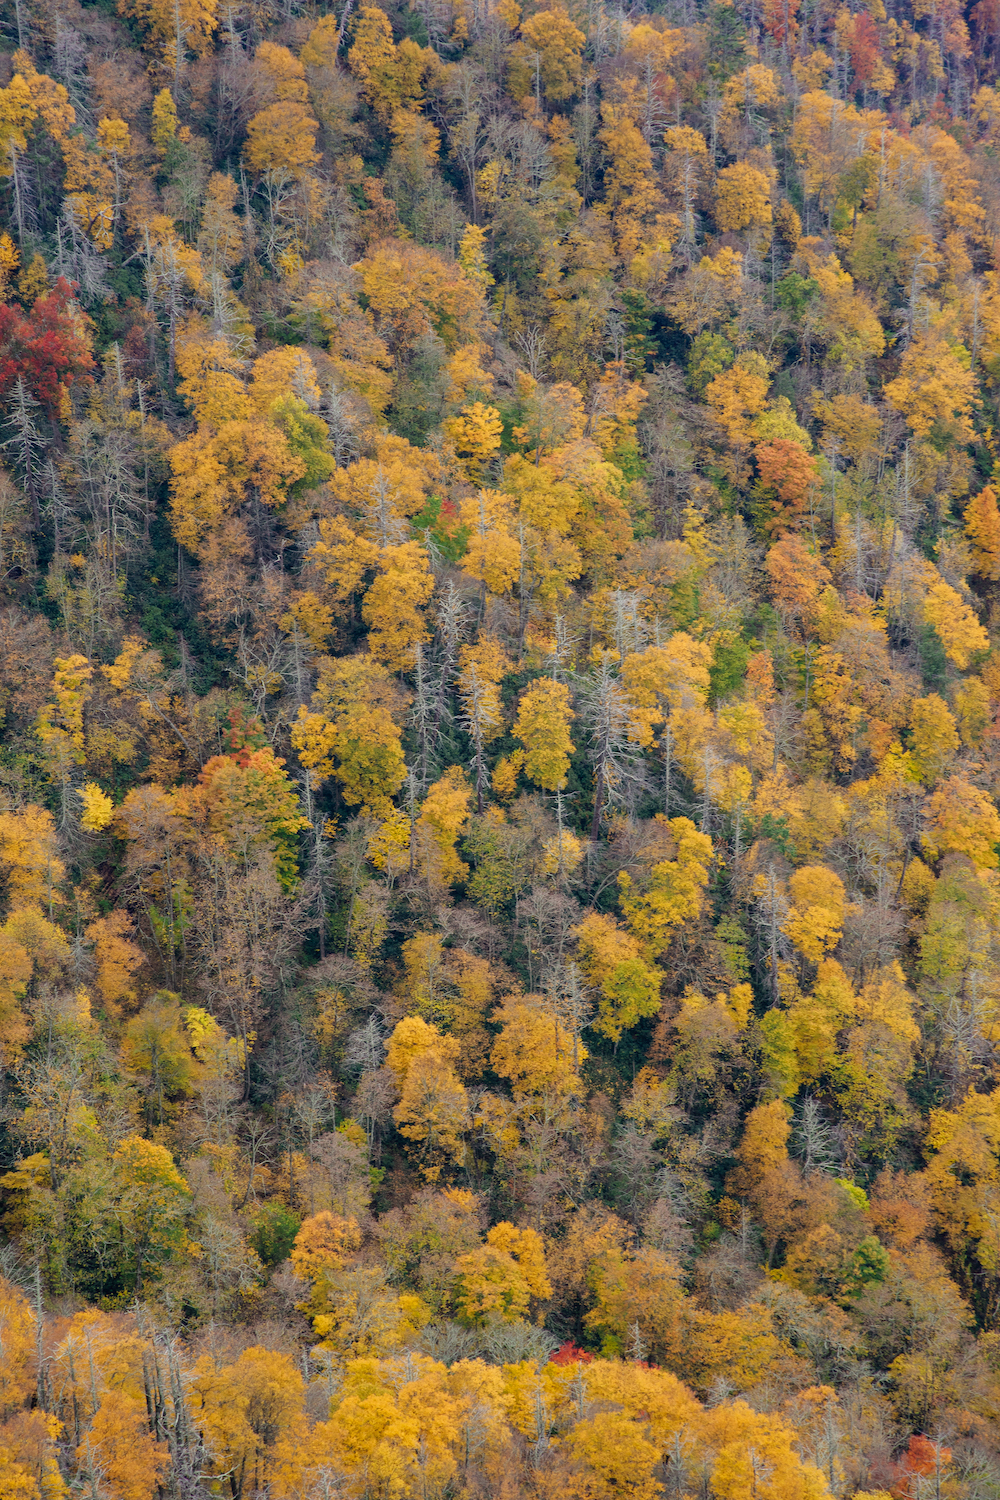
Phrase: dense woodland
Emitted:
{"points": [[499, 750]]}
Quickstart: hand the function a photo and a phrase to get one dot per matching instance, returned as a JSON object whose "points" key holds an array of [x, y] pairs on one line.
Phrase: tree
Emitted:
{"points": [[323, 1244], [243, 1408], [432, 1110], [673, 892], [47, 348], [443, 817], [59, 725], [392, 605], [790, 475], [797, 576], [17, 1330], [982, 527], [742, 198], [616, 1458], [117, 959], [757, 1457], [962, 1147], [30, 866], [343, 558], [248, 800], [935, 389], [392, 78], [814, 921], [615, 732], [935, 736], [963, 820], [175, 27], [353, 731], [629, 988], [481, 669], [638, 1303], [499, 1279], [412, 292], [537, 1053], [215, 474], [542, 726], [282, 138], [960, 632], [411, 1038], [120, 1448], [158, 1049], [164, 124], [493, 553], [737, 396], [548, 57], [151, 1202], [475, 435], [629, 188]]}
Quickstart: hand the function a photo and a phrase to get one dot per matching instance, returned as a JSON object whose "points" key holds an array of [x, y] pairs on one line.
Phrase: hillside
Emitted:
{"points": [[499, 750]]}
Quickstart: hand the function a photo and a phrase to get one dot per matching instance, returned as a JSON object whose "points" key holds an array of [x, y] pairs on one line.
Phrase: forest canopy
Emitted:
{"points": [[499, 750]]}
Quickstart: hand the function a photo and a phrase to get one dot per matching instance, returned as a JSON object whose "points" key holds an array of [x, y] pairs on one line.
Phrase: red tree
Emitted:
{"points": [[787, 473], [46, 347], [864, 45], [922, 1457], [781, 21]]}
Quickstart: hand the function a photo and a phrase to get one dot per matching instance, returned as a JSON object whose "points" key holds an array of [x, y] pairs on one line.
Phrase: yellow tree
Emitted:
{"points": [[630, 190], [982, 527], [614, 1458], [282, 138], [210, 377], [628, 987], [493, 555], [542, 725], [392, 78], [121, 1450], [353, 732], [475, 436], [433, 1109], [152, 1200], [391, 607], [372, 56], [164, 124], [221, 239], [673, 891], [742, 198], [29, 860], [285, 72], [19, 1342], [754, 1457], [481, 668], [412, 292], [216, 473], [962, 820], [443, 816], [59, 725], [815, 919], [959, 631], [738, 395], [935, 388], [537, 1054], [548, 59], [934, 737], [499, 1279], [343, 558], [962, 1150], [175, 27], [242, 1409]]}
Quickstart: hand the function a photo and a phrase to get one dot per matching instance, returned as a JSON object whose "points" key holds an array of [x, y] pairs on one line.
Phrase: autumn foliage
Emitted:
{"points": [[499, 751], [45, 347]]}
